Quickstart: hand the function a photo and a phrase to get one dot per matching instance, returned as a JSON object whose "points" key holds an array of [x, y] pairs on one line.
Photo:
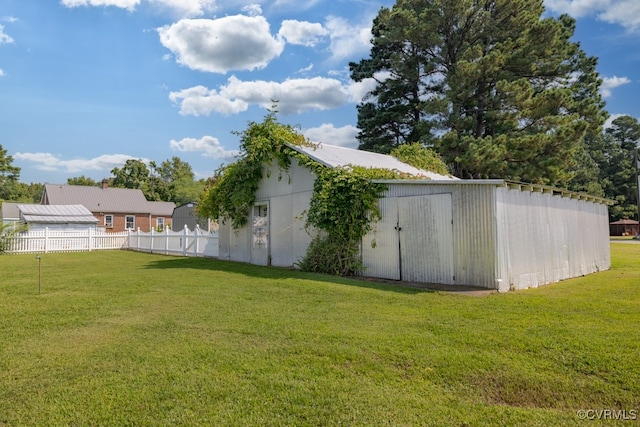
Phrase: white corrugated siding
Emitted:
{"points": [[288, 193], [473, 232], [545, 237], [61, 227], [380, 247], [234, 244], [426, 239]]}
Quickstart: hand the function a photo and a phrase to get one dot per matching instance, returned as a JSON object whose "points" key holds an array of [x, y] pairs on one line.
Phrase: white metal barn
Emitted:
{"points": [[488, 233]]}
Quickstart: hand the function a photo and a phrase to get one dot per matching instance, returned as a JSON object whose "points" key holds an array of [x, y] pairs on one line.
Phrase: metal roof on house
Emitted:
{"points": [[103, 200], [56, 214], [335, 156]]}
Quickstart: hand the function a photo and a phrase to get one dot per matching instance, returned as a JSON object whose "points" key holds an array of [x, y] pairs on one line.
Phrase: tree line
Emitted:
{"points": [[172, 180]]}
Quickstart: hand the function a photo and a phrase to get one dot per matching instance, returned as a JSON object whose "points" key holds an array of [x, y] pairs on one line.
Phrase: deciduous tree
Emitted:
{"points": [[82, 180], [9, 176]]}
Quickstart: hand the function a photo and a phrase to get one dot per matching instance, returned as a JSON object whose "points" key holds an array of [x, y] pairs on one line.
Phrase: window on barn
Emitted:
{"points": [[159, 224], [130, 222], [108, 221]]}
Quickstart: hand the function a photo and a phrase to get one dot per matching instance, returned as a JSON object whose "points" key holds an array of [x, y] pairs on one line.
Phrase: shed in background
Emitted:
{"points": [[624, 227], [57, 217], [186, 215]]}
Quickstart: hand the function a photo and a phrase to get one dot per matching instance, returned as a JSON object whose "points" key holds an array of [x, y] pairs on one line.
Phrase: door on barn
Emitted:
{"points": [[425, 230], [260, 234]]}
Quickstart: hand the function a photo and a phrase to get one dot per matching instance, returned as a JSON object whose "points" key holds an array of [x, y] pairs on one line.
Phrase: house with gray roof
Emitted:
{"points": [[117, 209]]}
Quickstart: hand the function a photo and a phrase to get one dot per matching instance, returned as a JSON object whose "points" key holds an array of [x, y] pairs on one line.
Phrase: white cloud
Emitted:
{"points": [[610, 83], [252, 10], [219, 45], [200, 101], [348, 40], [297, 4], [123, 4], [305, 69], [2, 74], [302, 32], [359, 90], [208, 145], [622, 12], [50, 162], [181, 8], [4, 38], [186, 8], [293, 96], [327, 133], [10, 19]]}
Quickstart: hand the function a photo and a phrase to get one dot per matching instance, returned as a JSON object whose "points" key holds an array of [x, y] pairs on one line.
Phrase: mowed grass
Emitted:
{"points": [[130, 339]]}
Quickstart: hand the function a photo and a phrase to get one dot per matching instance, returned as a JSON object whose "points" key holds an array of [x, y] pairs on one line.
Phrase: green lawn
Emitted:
{"points": [[122, 338]]}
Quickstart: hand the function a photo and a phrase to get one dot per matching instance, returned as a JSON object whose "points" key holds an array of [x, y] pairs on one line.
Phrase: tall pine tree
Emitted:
{"points": [[498, 90], [618, 172]]}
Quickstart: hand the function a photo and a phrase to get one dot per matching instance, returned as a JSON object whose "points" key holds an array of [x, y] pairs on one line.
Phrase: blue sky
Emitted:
{"points": [[87, 84]]}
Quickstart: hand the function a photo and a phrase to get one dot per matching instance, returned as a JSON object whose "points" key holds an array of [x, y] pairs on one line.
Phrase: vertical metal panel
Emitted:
{"points": [[380, 250], [426, 239], [473, 227], [276, 182], [281, 231], [235, 246], [224, 249], [546, 237], [301, 237]]}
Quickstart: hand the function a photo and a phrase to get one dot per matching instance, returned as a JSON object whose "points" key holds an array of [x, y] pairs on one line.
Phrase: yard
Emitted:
{"points": [[123, 338]]}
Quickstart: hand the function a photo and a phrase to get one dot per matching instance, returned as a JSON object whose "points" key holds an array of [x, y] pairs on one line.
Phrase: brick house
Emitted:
{"points": [[117, 209]]}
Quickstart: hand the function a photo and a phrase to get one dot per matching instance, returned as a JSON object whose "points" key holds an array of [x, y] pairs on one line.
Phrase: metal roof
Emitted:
{"points": [[624, 222], [334, 156], [523, 186], [56, 214], [104, 200]]}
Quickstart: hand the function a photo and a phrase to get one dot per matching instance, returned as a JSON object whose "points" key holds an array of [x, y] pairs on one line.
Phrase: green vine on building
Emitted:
{"points": [[344, 204]]}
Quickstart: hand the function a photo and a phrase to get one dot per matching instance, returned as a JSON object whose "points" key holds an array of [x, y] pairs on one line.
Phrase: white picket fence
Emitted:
{"points": [[183, 243], [45, 241]]}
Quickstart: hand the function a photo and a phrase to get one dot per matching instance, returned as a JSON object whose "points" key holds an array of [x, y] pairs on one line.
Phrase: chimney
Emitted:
{"points": [[105, 184]]}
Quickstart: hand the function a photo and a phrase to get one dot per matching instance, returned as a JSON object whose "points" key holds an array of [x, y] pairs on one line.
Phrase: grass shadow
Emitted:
{"points": [[271, 272]]}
